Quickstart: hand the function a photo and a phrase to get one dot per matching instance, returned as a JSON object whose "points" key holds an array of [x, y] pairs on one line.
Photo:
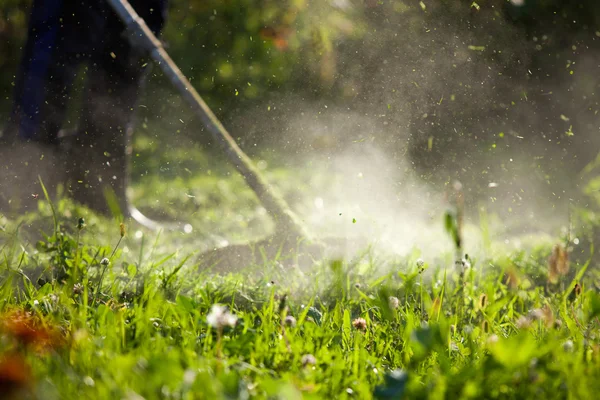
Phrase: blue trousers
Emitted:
{"points": [[62, 35]]}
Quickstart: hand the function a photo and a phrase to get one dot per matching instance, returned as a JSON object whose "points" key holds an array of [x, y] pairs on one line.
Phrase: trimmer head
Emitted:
{"points": [[286, 251]]}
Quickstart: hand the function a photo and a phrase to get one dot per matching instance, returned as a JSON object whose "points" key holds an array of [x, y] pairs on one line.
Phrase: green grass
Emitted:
{"points": [[77, 327]]}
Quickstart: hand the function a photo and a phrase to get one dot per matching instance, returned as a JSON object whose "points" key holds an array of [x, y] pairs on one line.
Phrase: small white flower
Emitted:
{"points": [[290, 321], [568, 346], [536, 315], [308, 359], [421, 266], [360, 324], [36, 303], [89, 381], [492, 339], [523, 322], [105, 262], [77, 288], [394, 302], [189, 376], [219, 317]]}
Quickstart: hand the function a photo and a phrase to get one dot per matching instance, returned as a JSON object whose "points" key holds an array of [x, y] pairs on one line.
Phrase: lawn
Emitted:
{"points": [[363, 115], [95, 309]]}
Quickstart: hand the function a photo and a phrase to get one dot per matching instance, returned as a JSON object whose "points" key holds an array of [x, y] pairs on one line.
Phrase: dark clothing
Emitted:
{"points": [[62, 35]]}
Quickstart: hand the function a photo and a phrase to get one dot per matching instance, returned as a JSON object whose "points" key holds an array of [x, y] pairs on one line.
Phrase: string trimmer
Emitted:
{"points": [[289, 229]]}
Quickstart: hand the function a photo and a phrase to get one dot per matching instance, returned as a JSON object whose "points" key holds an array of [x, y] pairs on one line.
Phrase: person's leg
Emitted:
{"points": [[30, 147], [113, 85], [30, 89]]}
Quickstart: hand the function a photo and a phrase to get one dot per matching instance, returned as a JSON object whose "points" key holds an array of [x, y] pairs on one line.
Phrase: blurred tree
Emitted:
{"points": [[467, 80], [247, 47]]}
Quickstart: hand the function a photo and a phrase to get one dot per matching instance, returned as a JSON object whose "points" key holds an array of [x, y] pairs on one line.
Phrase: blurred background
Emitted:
{"points": [[370, 110]]}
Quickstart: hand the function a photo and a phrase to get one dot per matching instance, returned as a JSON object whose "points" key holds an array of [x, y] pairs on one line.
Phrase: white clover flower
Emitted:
{"points": [[219, 317], [105, 262], [523, 322], [189, 376], [308, 359], [360, 324], [89, 381], [492, 339], [290, 321], [568, 346], [536, 315], [77, 288], [394, 302], [421, 266]]}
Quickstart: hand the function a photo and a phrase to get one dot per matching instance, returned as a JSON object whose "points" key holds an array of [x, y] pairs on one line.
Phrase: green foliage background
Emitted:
{"points": [[459, 88]]}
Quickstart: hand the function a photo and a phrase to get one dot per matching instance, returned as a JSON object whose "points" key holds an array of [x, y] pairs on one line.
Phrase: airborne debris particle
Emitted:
{"points": [[476, 48], [319, 203], [569, 132]]}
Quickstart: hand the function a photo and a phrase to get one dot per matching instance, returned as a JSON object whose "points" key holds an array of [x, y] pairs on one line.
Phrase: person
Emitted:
{"points": [[63, 36]]}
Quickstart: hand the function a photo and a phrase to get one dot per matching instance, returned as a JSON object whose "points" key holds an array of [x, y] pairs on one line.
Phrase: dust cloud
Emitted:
{"points": [[432, 96]]}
